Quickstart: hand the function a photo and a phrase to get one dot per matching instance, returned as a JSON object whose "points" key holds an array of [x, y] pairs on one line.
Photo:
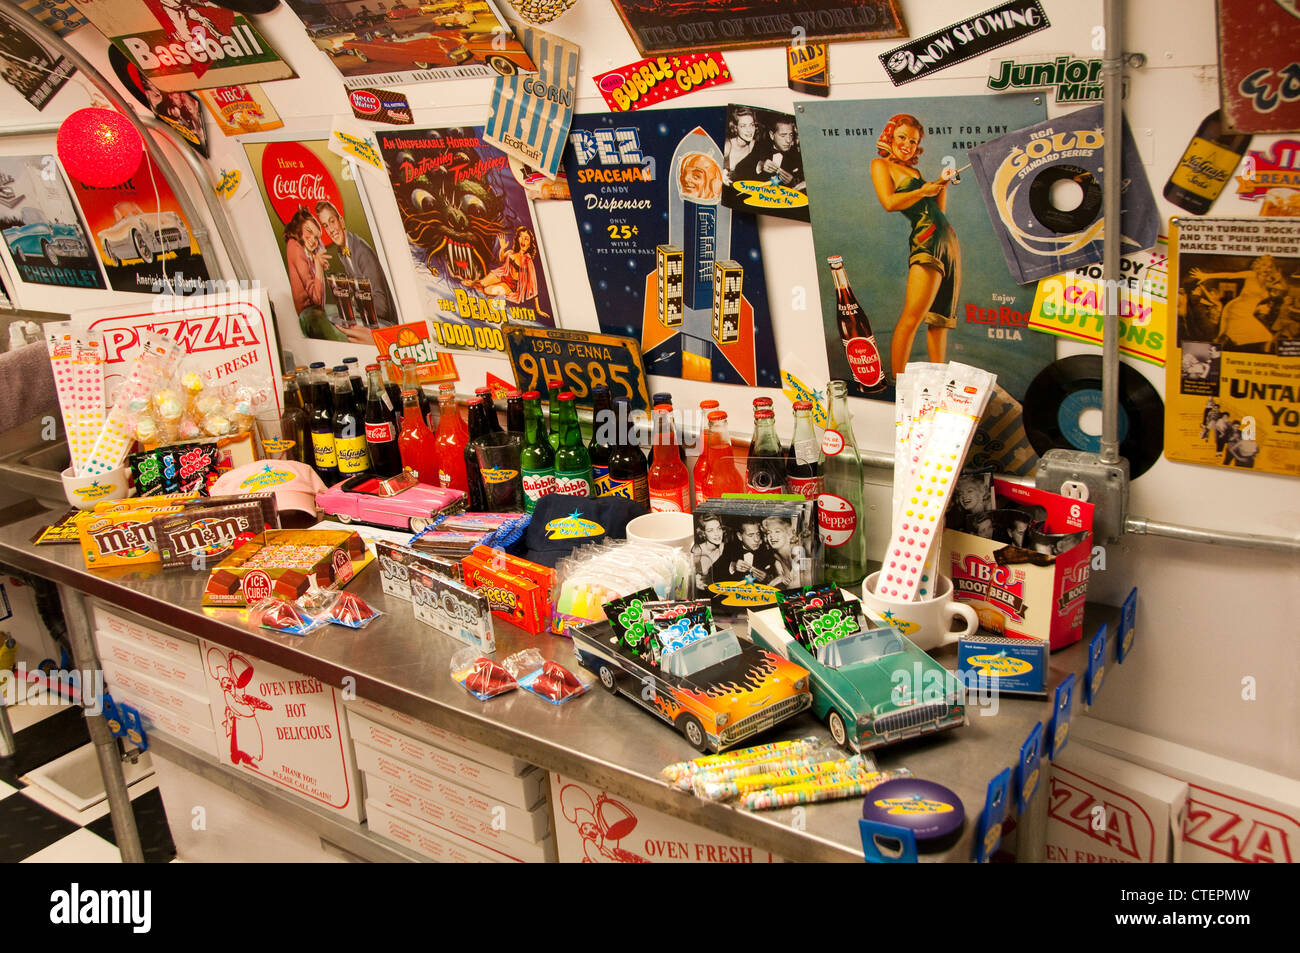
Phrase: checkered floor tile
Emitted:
{"points": [[31, 832]]}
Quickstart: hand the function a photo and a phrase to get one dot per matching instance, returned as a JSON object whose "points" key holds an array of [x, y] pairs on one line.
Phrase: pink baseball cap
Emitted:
{"points": [[294, 484]]}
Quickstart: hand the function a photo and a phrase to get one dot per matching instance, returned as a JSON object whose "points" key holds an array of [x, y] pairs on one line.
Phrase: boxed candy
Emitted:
{"points": [[285, 566], [394, 563], [1023, 566], [518, 590], [121, 538], [199, 537]]}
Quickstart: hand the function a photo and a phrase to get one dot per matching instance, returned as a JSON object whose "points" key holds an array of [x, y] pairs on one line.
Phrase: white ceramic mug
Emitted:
{"points": [[663, 529], [928, 623], [85, 491]]}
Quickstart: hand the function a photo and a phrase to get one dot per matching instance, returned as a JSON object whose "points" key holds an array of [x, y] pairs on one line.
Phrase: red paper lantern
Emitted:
{"points": [[100, 147]]}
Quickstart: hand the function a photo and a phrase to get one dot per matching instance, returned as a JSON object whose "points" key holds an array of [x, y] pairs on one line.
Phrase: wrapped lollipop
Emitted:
{"points": [[216, 424], [241, 410], [206, 404], [191, 387], [147, 433], [168, 410]]}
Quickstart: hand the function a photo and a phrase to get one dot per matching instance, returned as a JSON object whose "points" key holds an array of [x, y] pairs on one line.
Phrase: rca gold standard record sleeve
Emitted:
{"points": [[1062, 397], [1043, 186]]}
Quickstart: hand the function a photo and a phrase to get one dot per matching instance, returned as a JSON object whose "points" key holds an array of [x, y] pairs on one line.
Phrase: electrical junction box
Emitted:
{"points": [[1082, 476]]}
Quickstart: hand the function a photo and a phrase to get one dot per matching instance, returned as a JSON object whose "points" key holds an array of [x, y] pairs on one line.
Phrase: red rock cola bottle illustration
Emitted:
{"points": [[855, 332]]}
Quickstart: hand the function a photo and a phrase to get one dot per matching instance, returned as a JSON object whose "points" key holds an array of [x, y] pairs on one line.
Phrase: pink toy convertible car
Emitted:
{"points": [[397, 501]]}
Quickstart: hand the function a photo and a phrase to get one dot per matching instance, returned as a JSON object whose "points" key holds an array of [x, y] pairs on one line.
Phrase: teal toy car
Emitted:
{"points": [[871, 688]]}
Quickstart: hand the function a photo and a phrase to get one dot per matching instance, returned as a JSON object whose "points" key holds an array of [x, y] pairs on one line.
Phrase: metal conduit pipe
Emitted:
{"points": [[1112, 73], [34, 27]]}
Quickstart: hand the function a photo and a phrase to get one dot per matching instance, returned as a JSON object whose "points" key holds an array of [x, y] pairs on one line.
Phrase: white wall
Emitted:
{"points": [[1209, 616]]}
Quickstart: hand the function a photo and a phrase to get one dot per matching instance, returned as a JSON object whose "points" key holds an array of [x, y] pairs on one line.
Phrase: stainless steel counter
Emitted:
{"points": [[597, 738]]}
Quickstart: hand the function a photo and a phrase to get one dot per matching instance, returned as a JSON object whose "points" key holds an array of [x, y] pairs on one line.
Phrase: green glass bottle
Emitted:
{"points": [[572, 463], [536, 458]]}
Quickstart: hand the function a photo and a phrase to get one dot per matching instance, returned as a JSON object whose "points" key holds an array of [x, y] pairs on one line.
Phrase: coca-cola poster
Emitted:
{"points": [[338, 284], [647, 192], [471, 236], [141, 235], [925, 278]]}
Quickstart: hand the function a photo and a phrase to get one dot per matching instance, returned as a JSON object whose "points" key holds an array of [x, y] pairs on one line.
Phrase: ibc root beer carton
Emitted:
{"points": [[517, 590], [121, 538], [285, 565], [1024, 564]]}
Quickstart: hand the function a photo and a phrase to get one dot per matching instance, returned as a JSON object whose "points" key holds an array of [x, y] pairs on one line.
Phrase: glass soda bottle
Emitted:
{"points": [[411, 382], [667, 479], [765, 466], [723, 476], [476, 411], [856, 335], [1207, 163], [324, 460], [628, 471], [839, 506], [416, 444], [572, 464], [666, 399], [490, 418], [602, 429], [386, 374], [515, 413], [381, 432], [451, 439], [803, 474], [536, 456], [702, 462], [303, 374], [349, 428], [553, 388], [295, 426]]}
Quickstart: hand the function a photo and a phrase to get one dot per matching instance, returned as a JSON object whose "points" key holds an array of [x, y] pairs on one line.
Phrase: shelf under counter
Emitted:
{"points": [[598, 739]]}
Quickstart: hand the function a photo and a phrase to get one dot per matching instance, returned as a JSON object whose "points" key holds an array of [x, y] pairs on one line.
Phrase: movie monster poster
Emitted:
{"points": [[921, 256], [470, 230], [669, 263]]}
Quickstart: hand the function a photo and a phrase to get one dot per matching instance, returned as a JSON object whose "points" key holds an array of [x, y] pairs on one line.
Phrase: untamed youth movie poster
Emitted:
{"points": [[928, 272], [340, 289], [141, 235], [470, 230], [669, 264]]}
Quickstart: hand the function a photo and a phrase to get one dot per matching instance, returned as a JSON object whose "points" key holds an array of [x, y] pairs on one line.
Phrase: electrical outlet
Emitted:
{"points": [[1082, 476]]}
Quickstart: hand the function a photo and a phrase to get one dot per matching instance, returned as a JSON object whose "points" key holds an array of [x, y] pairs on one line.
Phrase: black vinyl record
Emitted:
{"points": [[1067, 389], [129, 75], [247, 7]]}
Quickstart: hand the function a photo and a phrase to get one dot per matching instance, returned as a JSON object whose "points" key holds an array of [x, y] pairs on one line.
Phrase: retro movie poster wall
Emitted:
{"points": [[339, 285], [928, 272], [669, 263], [141, 235], [1232, 385], [42, 230], [28, 67], [469, 226]]}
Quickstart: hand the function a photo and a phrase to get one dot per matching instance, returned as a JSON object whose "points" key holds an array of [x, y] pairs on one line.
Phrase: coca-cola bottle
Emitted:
{"points": [[381, 432], [859, 341], [387, 375], [765, 467], [803, 474], [839, 507]]}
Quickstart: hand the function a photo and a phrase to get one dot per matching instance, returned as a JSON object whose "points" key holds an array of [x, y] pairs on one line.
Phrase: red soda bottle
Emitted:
{"points": [[415, 444], [452, 438], [669, 492], [723, 476], [702, 462]]}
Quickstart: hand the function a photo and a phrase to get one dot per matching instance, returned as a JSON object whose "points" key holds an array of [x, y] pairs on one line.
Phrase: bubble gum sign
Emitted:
{"points": [[651, 81]]}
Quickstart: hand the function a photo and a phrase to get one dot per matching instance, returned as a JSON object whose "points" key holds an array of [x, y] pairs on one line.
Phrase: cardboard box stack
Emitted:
{"points": [[447, 797]]}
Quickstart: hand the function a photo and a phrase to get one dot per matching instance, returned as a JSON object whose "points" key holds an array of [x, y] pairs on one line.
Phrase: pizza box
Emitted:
{"points": [[522, 791], [591, 826], [1101, 809], [1235, 813], [425, 839], [136, 656], [121, 625], [160, 720], [526, 825], [125, 681], [476, 830], [434, 735]]}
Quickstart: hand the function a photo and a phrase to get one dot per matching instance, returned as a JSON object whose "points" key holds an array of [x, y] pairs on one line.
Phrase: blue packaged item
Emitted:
{"points": [[1015, 666]]}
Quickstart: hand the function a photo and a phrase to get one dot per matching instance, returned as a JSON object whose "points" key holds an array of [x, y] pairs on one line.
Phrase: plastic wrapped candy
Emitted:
{"points": [[351, 611], [480, 676], [553, 682], [216, 425], [285, 617], [521, 663]]}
